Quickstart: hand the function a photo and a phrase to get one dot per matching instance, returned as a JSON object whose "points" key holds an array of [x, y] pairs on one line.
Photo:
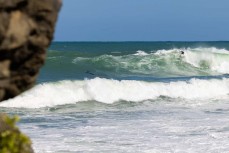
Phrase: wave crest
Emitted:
{"points": [[194, 62], [110, 91]]}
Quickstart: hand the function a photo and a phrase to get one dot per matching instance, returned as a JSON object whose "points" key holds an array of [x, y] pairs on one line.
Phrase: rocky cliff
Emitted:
{"points": [[26, 30]]}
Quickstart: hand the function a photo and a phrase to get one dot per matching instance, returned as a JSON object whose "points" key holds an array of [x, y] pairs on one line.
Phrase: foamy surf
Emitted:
{"points": [[211, 59], [110, 91], [216, 60]]}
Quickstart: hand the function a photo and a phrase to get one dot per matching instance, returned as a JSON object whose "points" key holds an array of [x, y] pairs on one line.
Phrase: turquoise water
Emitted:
{"points": [[129, 60], [128, 97]]}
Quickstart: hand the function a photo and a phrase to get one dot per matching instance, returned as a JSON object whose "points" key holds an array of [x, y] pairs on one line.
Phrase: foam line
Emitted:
{"points": [[110, 91]]}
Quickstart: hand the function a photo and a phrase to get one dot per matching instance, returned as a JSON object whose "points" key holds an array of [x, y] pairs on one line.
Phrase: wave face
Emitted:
{"points": [[196, 61], [159, 63], [213, 59], [110, 91]]}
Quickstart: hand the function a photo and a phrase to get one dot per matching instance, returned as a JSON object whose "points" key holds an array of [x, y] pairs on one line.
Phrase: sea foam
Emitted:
{"points": [[110, 91], [214, 59]]}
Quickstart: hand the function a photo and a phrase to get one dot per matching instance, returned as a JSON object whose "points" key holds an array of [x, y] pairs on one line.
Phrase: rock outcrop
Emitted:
{"points": [[26, 30]]}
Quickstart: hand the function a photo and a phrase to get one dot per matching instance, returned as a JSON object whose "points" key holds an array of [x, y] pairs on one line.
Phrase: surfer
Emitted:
{"points": [[181, 56], [88, 72]]}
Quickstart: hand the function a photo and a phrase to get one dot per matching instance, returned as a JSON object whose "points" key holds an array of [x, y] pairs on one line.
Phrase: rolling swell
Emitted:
{"points": [[110, 91], [199, 61], [160, 63]]}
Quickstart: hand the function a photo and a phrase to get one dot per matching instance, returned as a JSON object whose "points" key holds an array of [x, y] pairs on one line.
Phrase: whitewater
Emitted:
{"points": [[111, 91], [128, 97]]}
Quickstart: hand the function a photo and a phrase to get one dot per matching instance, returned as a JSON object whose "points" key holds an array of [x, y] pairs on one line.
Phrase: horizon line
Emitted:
{"points": [[143, 41]]}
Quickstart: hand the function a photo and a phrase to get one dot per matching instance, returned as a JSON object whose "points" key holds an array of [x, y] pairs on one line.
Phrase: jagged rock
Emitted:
{"points": [[26, 30]]}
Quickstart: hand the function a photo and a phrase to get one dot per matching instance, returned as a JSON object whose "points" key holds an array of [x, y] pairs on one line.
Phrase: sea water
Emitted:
{"points": [[128, 97]]}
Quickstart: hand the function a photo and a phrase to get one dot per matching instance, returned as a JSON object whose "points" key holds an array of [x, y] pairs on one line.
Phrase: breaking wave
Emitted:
{"points": [[110, 91], [197, 61]]}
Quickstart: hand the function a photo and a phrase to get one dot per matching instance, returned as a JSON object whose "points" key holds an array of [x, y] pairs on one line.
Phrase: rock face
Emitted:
{"points": [[26, 30]]}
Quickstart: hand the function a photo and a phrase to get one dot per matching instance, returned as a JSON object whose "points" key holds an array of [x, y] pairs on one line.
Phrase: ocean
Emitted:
{"points": [[146, 97]]}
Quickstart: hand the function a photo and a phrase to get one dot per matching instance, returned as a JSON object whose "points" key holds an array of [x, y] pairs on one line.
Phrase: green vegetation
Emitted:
{"points": [[11, 139]]}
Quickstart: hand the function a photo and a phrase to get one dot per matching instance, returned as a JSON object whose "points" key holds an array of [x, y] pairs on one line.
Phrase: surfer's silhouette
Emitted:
{"points": [[181, 56], [89, 72]]}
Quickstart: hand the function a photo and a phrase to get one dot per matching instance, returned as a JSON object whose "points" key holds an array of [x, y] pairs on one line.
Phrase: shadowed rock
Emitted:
{"points": [[26, 30]]}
